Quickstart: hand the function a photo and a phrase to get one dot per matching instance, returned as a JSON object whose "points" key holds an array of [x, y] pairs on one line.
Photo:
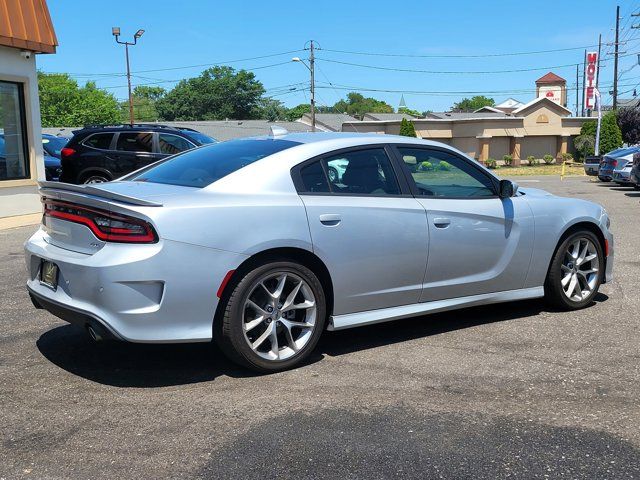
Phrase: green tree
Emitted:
{"points": [[407, 129], [64, 104], [144, 104], [298, 111], [270, 109], [408, 111], [629, 123], [357, 105], [218, 93], [472, 104], [610, 134]]}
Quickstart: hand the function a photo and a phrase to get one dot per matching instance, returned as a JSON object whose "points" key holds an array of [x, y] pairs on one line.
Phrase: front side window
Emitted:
{"points": [[200, 167], [441, 174], [135, 142], [362, 172], [101, 141], [14, 161], [172, 144]]}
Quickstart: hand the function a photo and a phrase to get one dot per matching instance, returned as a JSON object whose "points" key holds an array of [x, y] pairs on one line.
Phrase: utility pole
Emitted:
{"points": [[311, 68], [577, 86], [115, 31], [615, 60], [312, 60]]}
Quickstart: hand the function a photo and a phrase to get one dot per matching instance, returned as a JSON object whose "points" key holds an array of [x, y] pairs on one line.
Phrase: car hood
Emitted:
{"points": [[535, 192]]}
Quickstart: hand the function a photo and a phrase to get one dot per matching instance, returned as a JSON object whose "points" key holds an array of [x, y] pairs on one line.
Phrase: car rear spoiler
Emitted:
{"points": [[49, 189]]}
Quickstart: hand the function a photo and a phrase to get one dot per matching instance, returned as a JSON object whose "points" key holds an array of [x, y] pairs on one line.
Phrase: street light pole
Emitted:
{"points": [[313, 88], [311, 68], [115, 31]]}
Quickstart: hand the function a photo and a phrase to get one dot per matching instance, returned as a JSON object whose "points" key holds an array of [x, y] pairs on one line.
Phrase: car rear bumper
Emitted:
{"points": [[591, 169], [157, 293]]}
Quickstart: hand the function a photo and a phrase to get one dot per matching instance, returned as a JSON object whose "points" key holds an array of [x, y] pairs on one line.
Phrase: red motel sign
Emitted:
{"points": [[591, 76]]}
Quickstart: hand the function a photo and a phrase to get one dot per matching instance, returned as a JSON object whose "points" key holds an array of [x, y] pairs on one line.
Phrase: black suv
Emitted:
{"points": [[101, 153]]}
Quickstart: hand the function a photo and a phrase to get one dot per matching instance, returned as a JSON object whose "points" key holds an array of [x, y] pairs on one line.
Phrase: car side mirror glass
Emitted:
{"points": [[508, 188]]}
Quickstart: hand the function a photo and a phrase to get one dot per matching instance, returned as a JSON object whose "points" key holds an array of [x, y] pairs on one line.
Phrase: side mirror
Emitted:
{"points": [[508, 188]]}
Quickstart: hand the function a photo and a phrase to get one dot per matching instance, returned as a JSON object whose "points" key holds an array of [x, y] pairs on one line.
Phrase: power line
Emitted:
{"points": [[446, 72], [479, 55], [116, 74]]}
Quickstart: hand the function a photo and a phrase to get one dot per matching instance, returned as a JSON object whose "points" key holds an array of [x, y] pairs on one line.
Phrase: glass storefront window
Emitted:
{"points": [[14, 161]]}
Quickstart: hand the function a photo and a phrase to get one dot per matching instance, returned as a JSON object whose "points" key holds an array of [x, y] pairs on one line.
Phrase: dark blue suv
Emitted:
{"points": [[101, 153]]}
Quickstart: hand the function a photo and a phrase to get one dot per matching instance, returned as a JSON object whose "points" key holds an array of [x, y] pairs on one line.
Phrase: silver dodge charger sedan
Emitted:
{"points": [[252, 243]]}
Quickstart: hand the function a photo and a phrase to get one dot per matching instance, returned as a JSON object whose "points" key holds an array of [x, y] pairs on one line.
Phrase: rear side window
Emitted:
{"points": [[101, 141], [172, 144], [202, 166], [313, 178], [362, 172], [135, 142]]}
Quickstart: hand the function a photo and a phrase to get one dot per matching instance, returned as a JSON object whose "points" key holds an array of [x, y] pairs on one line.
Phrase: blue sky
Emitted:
{"points": [[180, 34]]}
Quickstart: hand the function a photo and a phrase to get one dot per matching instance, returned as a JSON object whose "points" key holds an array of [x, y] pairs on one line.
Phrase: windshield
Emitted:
{"points": [[200, 137], [203, 166]]}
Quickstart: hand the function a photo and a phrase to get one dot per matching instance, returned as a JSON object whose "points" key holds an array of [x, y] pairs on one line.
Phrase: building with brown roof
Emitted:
{"points": [[25, 30]]}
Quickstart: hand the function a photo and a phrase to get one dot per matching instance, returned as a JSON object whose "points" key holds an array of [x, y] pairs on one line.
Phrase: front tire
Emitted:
{"points": [[576, 271], [273, 318]]}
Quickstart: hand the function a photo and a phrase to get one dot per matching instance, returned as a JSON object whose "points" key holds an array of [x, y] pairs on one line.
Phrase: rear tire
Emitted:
{"points": [[576, 271], [273, 318]]}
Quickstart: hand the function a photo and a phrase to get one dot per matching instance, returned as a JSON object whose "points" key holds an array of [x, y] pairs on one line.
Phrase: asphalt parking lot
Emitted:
{"points": [[506, 391]]}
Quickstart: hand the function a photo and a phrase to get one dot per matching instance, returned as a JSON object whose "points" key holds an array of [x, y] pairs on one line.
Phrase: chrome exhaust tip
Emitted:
{"points": [[94, 334]]}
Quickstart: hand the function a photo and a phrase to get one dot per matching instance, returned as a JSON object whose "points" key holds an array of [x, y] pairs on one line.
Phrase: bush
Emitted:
{"points": [[407, 129], [491, 163], [533, 161], [425, 166], [445, 166], [567, 157], [508, 160], [548, 159]]}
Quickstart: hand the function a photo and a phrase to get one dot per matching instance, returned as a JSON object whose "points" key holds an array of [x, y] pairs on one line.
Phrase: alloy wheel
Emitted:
{"points": [[580, 269], [279, 315]]}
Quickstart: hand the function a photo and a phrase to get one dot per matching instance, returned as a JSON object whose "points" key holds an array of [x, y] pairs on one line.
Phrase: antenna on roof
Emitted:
{"points": [[277, 131]]}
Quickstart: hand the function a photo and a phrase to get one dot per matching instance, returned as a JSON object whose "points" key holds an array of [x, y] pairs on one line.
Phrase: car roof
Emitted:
{"points": [[349, 138], [136, 127]]}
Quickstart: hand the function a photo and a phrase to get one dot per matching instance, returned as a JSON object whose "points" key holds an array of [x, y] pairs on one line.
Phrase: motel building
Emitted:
{"points": [[539, 127], [25, 30]]}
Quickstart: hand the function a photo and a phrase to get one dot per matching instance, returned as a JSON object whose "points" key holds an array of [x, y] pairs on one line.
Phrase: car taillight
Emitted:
{"points": [[107, 226], [67, 152], [614, 163]]}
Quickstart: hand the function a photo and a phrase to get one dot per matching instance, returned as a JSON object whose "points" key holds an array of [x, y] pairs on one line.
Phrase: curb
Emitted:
{"points": [[20, 221]]}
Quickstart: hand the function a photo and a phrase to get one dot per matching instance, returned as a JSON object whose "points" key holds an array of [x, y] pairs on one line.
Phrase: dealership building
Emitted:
{"points": [[539, 127], [25, 30]]}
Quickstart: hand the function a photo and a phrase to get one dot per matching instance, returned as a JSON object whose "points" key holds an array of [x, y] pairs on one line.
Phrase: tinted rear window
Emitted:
{"points": [[203, 166], [99, 140], [200, 137]]}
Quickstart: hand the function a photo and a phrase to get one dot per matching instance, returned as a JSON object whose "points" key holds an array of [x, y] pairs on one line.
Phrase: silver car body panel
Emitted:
{"points": [[386, 256]]}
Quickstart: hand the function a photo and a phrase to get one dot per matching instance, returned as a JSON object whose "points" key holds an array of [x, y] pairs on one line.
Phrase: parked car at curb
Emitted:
{"points": [[52, 146], [249, 243], [622, 174], [592, 164], [101, 153], [634, 176], [616, 159]]}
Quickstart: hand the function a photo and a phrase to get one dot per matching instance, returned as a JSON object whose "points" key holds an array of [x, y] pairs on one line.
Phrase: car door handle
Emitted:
{"points": [[330, 219], [441, 222]]}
